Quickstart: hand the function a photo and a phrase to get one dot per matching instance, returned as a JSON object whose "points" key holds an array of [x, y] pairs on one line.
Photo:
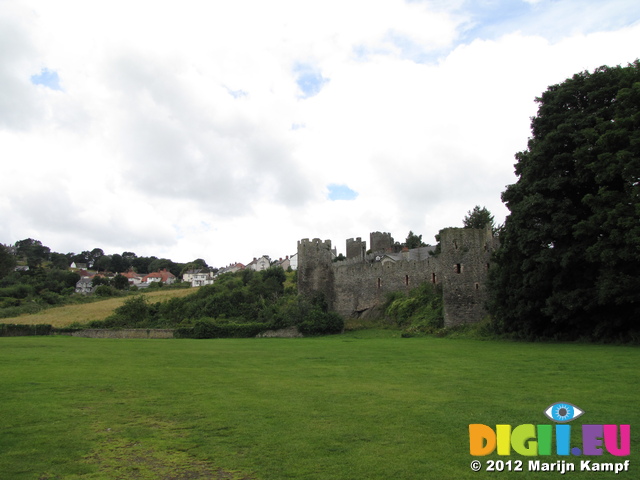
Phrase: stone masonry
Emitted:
{"points": [[362, 281]]}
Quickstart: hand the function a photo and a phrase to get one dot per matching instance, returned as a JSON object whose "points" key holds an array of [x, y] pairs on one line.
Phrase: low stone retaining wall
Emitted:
{"points": [[291, 332], [125, 333]]}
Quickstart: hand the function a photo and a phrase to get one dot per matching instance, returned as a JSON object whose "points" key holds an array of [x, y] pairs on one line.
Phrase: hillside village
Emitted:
{"points": [[91, 275], [197, 277]]}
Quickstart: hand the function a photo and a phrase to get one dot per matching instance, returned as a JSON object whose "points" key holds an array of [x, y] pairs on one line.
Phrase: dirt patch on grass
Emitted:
{"points": [[120, 459], [149, 449]]}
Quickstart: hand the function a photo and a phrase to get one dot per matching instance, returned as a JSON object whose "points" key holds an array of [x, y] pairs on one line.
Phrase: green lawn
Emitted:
{"points": [[365, 405]]}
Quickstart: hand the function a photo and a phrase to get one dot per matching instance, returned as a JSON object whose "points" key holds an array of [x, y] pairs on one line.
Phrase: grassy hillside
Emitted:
{"points": [[66, 315], [365, 405]]}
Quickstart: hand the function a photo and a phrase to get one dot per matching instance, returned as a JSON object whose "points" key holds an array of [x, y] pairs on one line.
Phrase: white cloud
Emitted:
{"points": [[184, 131]]}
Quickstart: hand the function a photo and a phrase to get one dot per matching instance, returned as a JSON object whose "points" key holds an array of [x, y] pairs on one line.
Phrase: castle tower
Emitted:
{"points": [[464, 265], [380, 241], [356, 248], [315, 272]]}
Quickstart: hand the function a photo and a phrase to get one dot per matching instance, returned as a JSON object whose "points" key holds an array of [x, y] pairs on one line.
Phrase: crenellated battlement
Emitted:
{"points": [[315, 242]]}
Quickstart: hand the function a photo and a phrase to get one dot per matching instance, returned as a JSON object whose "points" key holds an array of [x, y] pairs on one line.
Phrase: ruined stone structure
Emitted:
{"points": [[361, 282]]}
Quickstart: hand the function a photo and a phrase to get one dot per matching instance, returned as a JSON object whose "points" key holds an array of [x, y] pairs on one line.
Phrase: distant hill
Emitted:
{"points": [[67, 314]]}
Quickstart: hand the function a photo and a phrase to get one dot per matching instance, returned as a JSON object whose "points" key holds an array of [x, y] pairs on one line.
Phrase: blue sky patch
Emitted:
{"points": [[341, 192], [48, 78], [237, 93], [309, 79]]}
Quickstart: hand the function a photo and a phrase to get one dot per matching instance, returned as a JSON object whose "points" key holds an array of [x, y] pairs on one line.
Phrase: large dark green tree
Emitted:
{"points": [[33, 251], [414, 241], [7, 261], [479, 218], [569, 261]]}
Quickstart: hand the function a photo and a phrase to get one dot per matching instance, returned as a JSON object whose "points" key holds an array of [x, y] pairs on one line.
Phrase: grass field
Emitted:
{"points": [[364, 405], [83, 313]]}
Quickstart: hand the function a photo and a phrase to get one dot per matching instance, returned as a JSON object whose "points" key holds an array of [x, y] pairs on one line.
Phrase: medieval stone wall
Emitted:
{"points": [[362, 282], [361, 286]]}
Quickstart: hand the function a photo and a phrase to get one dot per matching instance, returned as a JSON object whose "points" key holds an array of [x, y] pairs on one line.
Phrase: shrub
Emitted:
{"points": [[106, 291], [321, 323], [13, 330], [26, 308], [7, 302], [419, 312], [50, 297], [17, 291], [135, 312], [209, 328]]}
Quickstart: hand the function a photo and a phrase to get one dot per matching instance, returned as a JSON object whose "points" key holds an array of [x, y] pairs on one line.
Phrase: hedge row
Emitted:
{"points": [[15, 330], [207, 328]]}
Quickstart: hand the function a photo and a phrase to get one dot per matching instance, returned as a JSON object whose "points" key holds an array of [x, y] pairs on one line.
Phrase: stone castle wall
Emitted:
{"points": [[362, 282], [362, 286]]}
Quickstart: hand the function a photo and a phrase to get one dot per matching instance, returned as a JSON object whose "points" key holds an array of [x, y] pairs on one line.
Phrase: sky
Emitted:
{"points": [[227, 130]]}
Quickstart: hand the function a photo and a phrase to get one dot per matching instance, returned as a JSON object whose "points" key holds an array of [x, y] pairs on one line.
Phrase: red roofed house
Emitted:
{"points": [[133, 277], [163, 276]]}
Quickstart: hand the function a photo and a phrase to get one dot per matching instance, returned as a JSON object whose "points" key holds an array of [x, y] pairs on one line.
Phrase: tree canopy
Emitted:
{"points": [[33, 251], [414, 241], [570, 248], [479, 218], [7, 261]]}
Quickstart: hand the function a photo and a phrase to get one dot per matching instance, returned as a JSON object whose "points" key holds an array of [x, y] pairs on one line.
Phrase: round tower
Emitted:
{"points": [[315, 272]]}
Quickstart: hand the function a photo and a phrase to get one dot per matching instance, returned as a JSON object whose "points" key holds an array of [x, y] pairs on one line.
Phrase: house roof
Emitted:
{"points": [[195, 271], [131, 274], [163, 275], [414, 254]]}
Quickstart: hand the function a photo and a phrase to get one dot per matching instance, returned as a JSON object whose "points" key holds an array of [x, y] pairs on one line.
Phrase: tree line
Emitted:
{"points": [[34, 254]]}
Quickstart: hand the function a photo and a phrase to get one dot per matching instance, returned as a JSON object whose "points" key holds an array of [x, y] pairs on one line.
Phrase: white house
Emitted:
{"points": [[163, 276], [293, 261], [198, 277], [259, 264], [85, 285], [133, 277]]}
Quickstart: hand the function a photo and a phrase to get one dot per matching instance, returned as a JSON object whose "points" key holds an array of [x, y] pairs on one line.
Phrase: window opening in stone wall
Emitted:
{"points": [[379, 282], [455, 244], [477, 286], [458, 268], [433, 278], [406, 280], [487, 267]]}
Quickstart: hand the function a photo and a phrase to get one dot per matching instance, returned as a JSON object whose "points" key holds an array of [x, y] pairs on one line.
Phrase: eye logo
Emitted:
{"points": [[562, 412]]}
